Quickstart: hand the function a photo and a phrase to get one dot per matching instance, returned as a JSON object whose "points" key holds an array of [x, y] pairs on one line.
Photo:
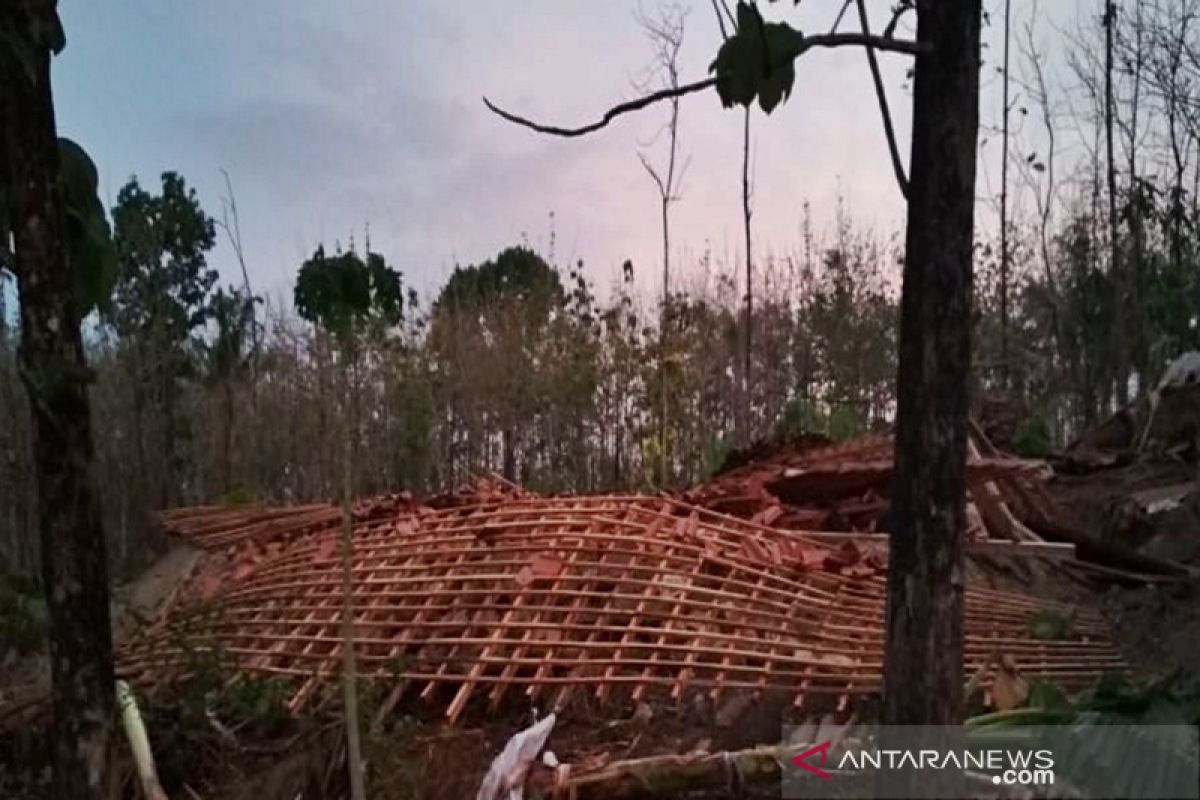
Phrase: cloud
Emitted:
{"points": [[331, 116]]}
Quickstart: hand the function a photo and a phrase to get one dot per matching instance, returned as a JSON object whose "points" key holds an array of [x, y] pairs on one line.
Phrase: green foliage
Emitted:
{"points": [[340, 292], [804, 415], [651, 447], [716, 450], [800, 416], [843, 423], [22, 615], [757, 61], [237, 496], [1032, 438], [1051, 624], [517, 272], [91, 254], [215, 687], [248, 697], [1103, 730], [1047, 696], [163, 280], [233, 313]]}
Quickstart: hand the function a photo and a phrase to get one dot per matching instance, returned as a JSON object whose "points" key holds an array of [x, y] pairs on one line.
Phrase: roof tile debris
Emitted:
{"points": [[769, 578], [483, 595]]}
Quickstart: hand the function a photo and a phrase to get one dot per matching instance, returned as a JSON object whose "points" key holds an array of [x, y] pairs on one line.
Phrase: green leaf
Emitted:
{"points": [[748, 17], [1046, 695], [736, 70], [1051, 624], [776, 83], [757, 61], [337, 292]]}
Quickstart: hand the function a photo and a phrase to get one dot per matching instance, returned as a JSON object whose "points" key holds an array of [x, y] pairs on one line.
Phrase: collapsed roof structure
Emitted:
{"points": [[765, 584], [492, 592]]}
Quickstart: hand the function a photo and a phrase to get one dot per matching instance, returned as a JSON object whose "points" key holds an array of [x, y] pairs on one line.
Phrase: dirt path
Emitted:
{"points": [[132, 602], [139, 599]]}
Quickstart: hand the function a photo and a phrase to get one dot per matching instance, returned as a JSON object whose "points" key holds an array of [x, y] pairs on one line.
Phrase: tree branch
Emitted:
{"points": [[897, 13], [881, 94], [662, 189], [609, 116], [728, 13], [720, 19], [816, 40], [838, 20]]}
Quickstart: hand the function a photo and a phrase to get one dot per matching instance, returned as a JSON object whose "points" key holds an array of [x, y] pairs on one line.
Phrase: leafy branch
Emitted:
{"points": [[755, 62]]}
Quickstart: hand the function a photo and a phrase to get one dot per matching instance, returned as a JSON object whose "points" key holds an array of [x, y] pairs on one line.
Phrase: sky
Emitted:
{"points": [[336, 118]]}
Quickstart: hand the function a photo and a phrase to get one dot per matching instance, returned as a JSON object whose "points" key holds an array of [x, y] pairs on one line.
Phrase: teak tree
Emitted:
{"points": [[665, 32], [343, 295], [162, 297], [923, 669], [64, 264]]}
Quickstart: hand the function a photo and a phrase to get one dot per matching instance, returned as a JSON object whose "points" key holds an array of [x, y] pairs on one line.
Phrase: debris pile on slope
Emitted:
{"points": [[1165, 422], [1132, 479], [844, 488], [558, 598]]}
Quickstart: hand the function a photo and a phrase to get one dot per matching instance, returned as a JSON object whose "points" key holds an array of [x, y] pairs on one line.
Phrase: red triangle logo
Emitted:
{"points": [[800, 759]]}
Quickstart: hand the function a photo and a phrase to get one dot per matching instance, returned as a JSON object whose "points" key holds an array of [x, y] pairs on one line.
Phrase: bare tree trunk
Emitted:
{"points": [[232, 224], [1117, 272], [1135, 354], [227, 435], [924, 650], [663, 458], [1005, 367], [508, 455], [55, 373], [747, 390], [349, 670], [666, 35], [170, 475]]}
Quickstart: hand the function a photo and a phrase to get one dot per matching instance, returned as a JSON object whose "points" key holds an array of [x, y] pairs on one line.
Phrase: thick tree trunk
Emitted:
{"points": [[923, 669], [74, 562]]}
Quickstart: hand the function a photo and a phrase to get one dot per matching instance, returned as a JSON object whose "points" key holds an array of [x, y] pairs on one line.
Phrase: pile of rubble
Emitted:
{"points": [[1132, 480], [840, 493], [845, 487]]}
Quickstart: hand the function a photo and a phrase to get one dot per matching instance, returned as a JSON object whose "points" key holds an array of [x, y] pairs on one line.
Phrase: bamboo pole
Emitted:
{"points": [[139, 743]]}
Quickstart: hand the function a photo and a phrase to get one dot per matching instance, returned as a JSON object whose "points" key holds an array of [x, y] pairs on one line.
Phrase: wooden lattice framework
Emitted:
{"points": [[555, 597]]}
